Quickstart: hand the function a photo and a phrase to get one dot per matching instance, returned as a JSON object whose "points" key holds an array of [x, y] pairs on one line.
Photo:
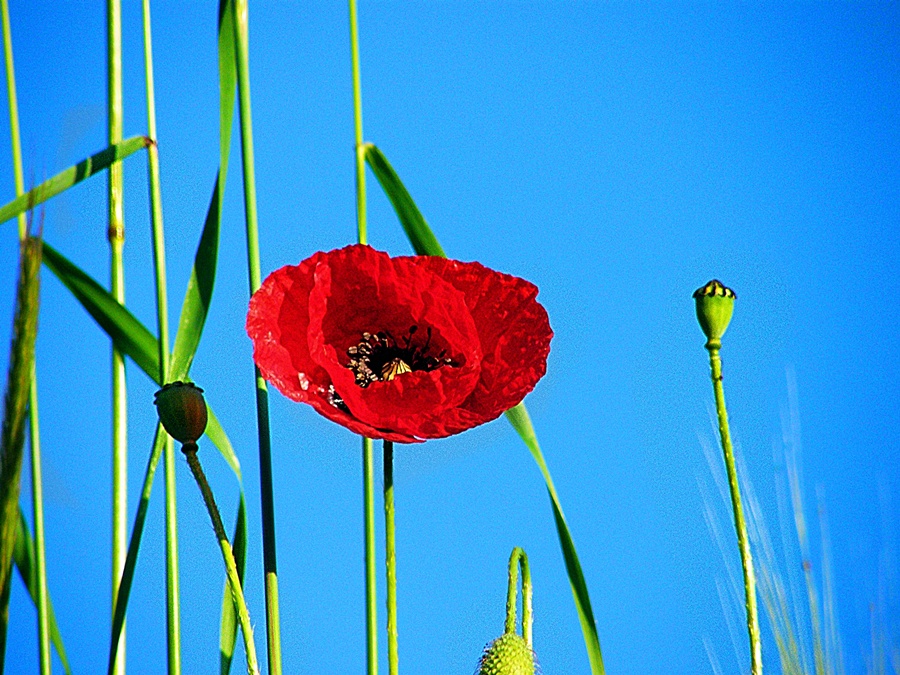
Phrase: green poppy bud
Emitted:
{"points": [[507, 655], [182, 411], [715, 304]]}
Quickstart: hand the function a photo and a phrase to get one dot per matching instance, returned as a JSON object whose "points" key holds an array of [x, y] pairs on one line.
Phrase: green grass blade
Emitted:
{"points": [[425, 243], [521, 422], [73, 175], [126, 331], [203, 275], [229, 624], [24, 556], [137, 531], [129, 334], [12, 435], [198, 295], [420, 235]]}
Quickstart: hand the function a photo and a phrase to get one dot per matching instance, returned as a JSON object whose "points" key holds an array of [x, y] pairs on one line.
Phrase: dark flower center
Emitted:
{"points": [[380, 357]]}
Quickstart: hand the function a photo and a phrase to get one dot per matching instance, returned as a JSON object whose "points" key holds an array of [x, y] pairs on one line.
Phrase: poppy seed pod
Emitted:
{"points": [[507, 655], [182, 411], [715, 304]]}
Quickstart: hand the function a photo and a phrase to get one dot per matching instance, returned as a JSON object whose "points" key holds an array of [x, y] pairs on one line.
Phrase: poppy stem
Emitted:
{"points": [[369, 515], [390, 558], [237, 593], [368, 471], [715, 363]]}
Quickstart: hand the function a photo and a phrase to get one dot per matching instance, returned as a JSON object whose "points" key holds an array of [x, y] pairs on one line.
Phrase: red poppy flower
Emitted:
{"points": [[402, 349]]}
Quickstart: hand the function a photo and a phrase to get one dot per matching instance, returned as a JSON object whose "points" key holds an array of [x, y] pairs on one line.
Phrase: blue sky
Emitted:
{"points": [[618, 155]]}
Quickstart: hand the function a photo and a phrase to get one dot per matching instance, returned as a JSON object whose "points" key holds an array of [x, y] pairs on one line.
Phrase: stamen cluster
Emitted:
{"points": [[380, 357]]}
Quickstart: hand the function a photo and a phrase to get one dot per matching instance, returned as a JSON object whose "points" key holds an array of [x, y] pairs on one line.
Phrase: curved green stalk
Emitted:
{"points": [[518, 559], [173, 615], [37, 499], [368, 471], [190, 451], [270, 566], [116, 237], [390, 557], [715, 363]]}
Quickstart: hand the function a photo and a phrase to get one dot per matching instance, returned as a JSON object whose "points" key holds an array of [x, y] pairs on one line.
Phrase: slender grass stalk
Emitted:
{"points": [[715, 363], [390, 557], [37, 499], [173, 614], [190, 451], [270, 565], [368, 471], [18, 174], [116, 237]]}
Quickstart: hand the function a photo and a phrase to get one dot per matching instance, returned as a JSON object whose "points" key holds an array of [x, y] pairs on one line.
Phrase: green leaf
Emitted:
{"points": [[12, 435], [417, 231], [24, 556], [73, 175], [127, 333], [425, 243], [521, 422], [229, 624], [198, 295]]}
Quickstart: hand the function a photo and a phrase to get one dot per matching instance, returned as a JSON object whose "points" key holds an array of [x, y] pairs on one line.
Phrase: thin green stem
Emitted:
{"points": [[173, 617], [116, 237], [390, 558], [715, 363], [18, 174], [37, 498], [358, 130], [190, 451], [137, 530], [519, 560], [270, 565], [368, 472], [371, 586]]}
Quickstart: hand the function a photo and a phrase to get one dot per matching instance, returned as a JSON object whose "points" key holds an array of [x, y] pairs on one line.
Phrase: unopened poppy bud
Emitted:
{"points": [[715, 304], [182, 411], [507, 655]]}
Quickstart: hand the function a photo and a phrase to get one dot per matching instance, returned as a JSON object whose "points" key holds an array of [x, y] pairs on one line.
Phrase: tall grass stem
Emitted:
{"points": [[390, 558], [270, 565], [37, 499], [190, 452], [715, 363], [162, 322], [368, 471], [116, 238]]}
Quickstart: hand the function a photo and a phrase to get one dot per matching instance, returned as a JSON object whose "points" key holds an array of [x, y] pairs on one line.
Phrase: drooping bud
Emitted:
{"points": [[182, 411], [715, 304], [507, 655]]}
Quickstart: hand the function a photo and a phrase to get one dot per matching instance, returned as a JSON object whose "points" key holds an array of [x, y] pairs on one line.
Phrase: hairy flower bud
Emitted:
{"points": [[715, 304], [182, 411], [507, 655]]}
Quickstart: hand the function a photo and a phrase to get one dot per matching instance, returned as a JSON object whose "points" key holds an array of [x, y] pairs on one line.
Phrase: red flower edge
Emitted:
{"points": [[477, 341]]}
